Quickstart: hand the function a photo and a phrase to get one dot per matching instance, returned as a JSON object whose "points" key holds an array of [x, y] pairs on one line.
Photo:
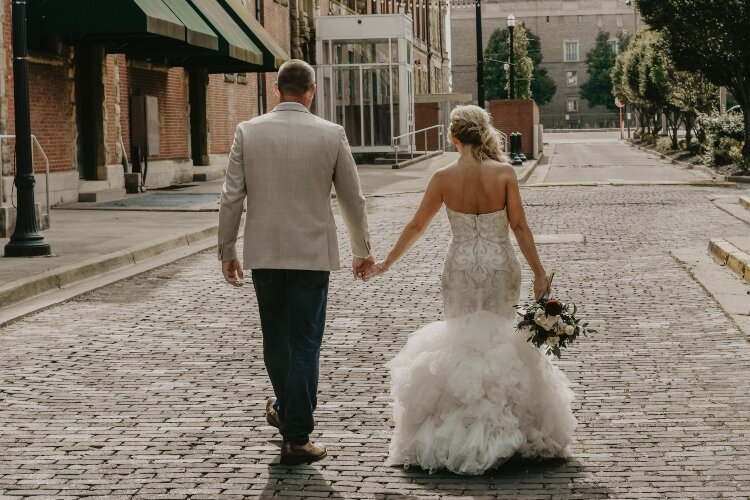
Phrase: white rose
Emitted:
{"points": [[546, 322], [553, 340], [570, 330]]}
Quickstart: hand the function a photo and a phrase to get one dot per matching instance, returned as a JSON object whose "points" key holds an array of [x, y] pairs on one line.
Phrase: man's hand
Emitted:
{"points": [[232, 271], [360, 266]]}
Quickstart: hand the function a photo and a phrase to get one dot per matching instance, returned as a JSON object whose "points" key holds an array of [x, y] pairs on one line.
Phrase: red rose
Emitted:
{"points": [[553, 307]]}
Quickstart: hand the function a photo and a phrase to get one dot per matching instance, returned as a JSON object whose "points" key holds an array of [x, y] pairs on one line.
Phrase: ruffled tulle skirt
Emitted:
{"points": [[470, 392]]}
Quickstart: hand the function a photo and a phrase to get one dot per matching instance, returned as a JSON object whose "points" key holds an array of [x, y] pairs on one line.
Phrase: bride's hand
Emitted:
{"points": [[375, 270], [541, 285]]}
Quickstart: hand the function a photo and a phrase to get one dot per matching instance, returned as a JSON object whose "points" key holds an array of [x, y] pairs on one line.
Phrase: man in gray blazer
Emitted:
{"points": [[285, 163]]}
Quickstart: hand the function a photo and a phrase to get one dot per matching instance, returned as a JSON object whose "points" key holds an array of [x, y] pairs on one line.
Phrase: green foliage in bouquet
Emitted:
{"points": [[550, 323]]}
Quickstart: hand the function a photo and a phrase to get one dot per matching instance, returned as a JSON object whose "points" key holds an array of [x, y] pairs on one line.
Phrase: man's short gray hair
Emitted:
{"points": [[295, 78]]}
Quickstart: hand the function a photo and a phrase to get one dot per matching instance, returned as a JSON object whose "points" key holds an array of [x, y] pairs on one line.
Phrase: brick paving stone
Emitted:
{"points": [[154, 387]]}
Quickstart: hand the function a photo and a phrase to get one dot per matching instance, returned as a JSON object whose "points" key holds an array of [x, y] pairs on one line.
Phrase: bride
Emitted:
{"points": [[470, 392]]}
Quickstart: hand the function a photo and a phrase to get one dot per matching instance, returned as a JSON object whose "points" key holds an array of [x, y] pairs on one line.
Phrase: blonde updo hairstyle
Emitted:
{"points": [[473, 125]]}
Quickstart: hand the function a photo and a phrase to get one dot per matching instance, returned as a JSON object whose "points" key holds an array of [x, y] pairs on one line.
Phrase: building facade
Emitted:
{"points": [[204, 65], [567, 30]]}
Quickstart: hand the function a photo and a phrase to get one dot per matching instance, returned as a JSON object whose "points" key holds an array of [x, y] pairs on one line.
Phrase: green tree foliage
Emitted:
{"points": [[494, 71], [710, 37], [599, 61], [645, 77], [523, 63], [542, 89]]}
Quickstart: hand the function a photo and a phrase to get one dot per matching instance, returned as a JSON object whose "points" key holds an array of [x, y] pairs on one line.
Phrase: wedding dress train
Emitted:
{"points": [[470, 392]]}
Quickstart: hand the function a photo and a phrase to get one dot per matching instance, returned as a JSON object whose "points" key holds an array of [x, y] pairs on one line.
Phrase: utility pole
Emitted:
{"points": [[26, 240], [480, 55], [511, 21]]}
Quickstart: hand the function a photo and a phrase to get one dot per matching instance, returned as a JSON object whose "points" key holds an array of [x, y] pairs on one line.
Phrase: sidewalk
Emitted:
{"points": [[127, 236]]}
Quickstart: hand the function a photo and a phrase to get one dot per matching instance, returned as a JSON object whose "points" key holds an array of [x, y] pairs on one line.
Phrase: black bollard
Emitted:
{"points": [[519, 152]]}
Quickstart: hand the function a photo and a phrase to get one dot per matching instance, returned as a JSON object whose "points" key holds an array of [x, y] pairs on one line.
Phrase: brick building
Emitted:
{"points": [[195, 68], [567, 30]]}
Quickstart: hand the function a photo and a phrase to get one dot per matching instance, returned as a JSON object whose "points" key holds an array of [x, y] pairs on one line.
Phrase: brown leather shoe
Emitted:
{"points": [[295, 454], [272, 417]]}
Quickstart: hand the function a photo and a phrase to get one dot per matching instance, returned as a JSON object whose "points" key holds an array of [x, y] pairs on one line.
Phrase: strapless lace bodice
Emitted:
{"points": [[481, 271]]}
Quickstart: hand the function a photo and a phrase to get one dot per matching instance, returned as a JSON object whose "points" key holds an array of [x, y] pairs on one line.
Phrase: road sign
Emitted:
{"points": [[619, 103]]}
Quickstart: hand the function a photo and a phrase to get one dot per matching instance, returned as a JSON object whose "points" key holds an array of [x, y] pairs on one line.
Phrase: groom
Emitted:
{"points": [[285, 163]]}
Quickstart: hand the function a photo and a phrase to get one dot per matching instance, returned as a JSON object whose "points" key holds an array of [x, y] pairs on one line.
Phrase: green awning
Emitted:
{"points": [[233, 42], [126, 22], [273, 54], [219, 36]]}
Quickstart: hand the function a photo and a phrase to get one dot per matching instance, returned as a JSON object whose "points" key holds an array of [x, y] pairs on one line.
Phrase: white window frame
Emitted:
{"points": [[565, 50], [572, 99], [567, 78], [619, 20]]}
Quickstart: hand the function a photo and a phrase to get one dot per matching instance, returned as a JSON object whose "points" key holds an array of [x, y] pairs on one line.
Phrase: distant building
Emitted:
{"points": [[567, 30]]}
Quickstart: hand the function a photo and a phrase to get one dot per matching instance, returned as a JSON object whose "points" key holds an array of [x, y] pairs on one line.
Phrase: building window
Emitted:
{"points": [[615, 44], [572, 78], [571, 51], [572, 104], [600, 20], [547, 18], [619, 21], [580, 20]]}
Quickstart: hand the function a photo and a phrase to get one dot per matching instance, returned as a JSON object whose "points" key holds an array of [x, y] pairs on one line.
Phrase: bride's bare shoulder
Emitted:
{"points": [[505, 169]]}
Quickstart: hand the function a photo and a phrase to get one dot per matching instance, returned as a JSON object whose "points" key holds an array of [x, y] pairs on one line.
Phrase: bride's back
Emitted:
{"points": [[473, 187]]}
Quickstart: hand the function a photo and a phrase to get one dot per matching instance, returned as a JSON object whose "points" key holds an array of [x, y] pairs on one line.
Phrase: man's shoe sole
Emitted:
{"points": [[301, 460]]}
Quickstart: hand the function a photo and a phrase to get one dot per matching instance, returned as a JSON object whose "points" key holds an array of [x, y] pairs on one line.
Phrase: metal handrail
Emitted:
{"points": [[441, 139], [347, 10], [505, 140], [46, 167]]}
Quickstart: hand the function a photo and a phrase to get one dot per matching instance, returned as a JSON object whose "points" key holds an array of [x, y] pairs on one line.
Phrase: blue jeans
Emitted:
{"points": [[292, 308]]}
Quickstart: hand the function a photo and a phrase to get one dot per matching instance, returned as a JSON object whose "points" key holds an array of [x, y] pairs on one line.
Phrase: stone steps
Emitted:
{"points": [[103, 195], [744, 201], [733, 253]]}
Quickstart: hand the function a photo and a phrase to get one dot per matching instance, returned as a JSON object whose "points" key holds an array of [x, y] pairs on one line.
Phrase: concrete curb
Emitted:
{"points": [[744, 201], [526, 172], [688, 166], [730, 256], [23, 289], [406, 163]]}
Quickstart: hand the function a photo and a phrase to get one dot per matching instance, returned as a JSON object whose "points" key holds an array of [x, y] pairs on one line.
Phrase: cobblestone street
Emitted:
{"points": [[154, 387]]}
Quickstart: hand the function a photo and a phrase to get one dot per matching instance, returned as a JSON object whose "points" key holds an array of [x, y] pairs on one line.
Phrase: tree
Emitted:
{"points": [[523, 63], [711, 37], [543, 88], [496, 54], [599, 61]]}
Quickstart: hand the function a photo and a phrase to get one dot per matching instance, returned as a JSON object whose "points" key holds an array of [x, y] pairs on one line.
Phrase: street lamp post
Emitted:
{"points": [[480, 55], [26, 240], [511, 25]]}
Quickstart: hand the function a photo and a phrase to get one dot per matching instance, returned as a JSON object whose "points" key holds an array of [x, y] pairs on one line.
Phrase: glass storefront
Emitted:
{"points": [[361, 83]]}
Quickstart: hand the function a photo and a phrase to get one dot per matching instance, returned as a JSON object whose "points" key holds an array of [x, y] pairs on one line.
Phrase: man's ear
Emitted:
{"points": [[276, 89]]}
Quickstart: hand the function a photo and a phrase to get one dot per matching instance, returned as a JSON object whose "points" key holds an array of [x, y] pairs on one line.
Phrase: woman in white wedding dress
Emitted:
{"points": [[470, 392]]}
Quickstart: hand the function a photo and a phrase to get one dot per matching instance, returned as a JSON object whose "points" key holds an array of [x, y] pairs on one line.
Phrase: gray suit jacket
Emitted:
{"points": [[285, 163]]}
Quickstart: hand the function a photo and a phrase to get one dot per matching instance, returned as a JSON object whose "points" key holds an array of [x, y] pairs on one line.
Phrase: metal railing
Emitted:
{"points": [[505, 140], [46, 167], [441, 140]]}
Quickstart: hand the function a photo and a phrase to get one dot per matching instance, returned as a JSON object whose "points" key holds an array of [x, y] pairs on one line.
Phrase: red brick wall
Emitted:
{"points": [[229, 104], [427, 114], [519, 115], [171, 88], [52, 115], [52, 112]]}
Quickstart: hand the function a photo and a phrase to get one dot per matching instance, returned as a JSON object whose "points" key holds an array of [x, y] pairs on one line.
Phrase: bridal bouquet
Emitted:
{"points": [[548, 322]]}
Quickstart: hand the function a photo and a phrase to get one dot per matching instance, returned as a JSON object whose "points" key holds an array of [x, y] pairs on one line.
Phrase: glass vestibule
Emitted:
{"points": [[365, 85]]}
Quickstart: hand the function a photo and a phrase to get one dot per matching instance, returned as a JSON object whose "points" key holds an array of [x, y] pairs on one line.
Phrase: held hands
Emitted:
{"points": [[360, 266], [376, 270], [232, 271]]}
